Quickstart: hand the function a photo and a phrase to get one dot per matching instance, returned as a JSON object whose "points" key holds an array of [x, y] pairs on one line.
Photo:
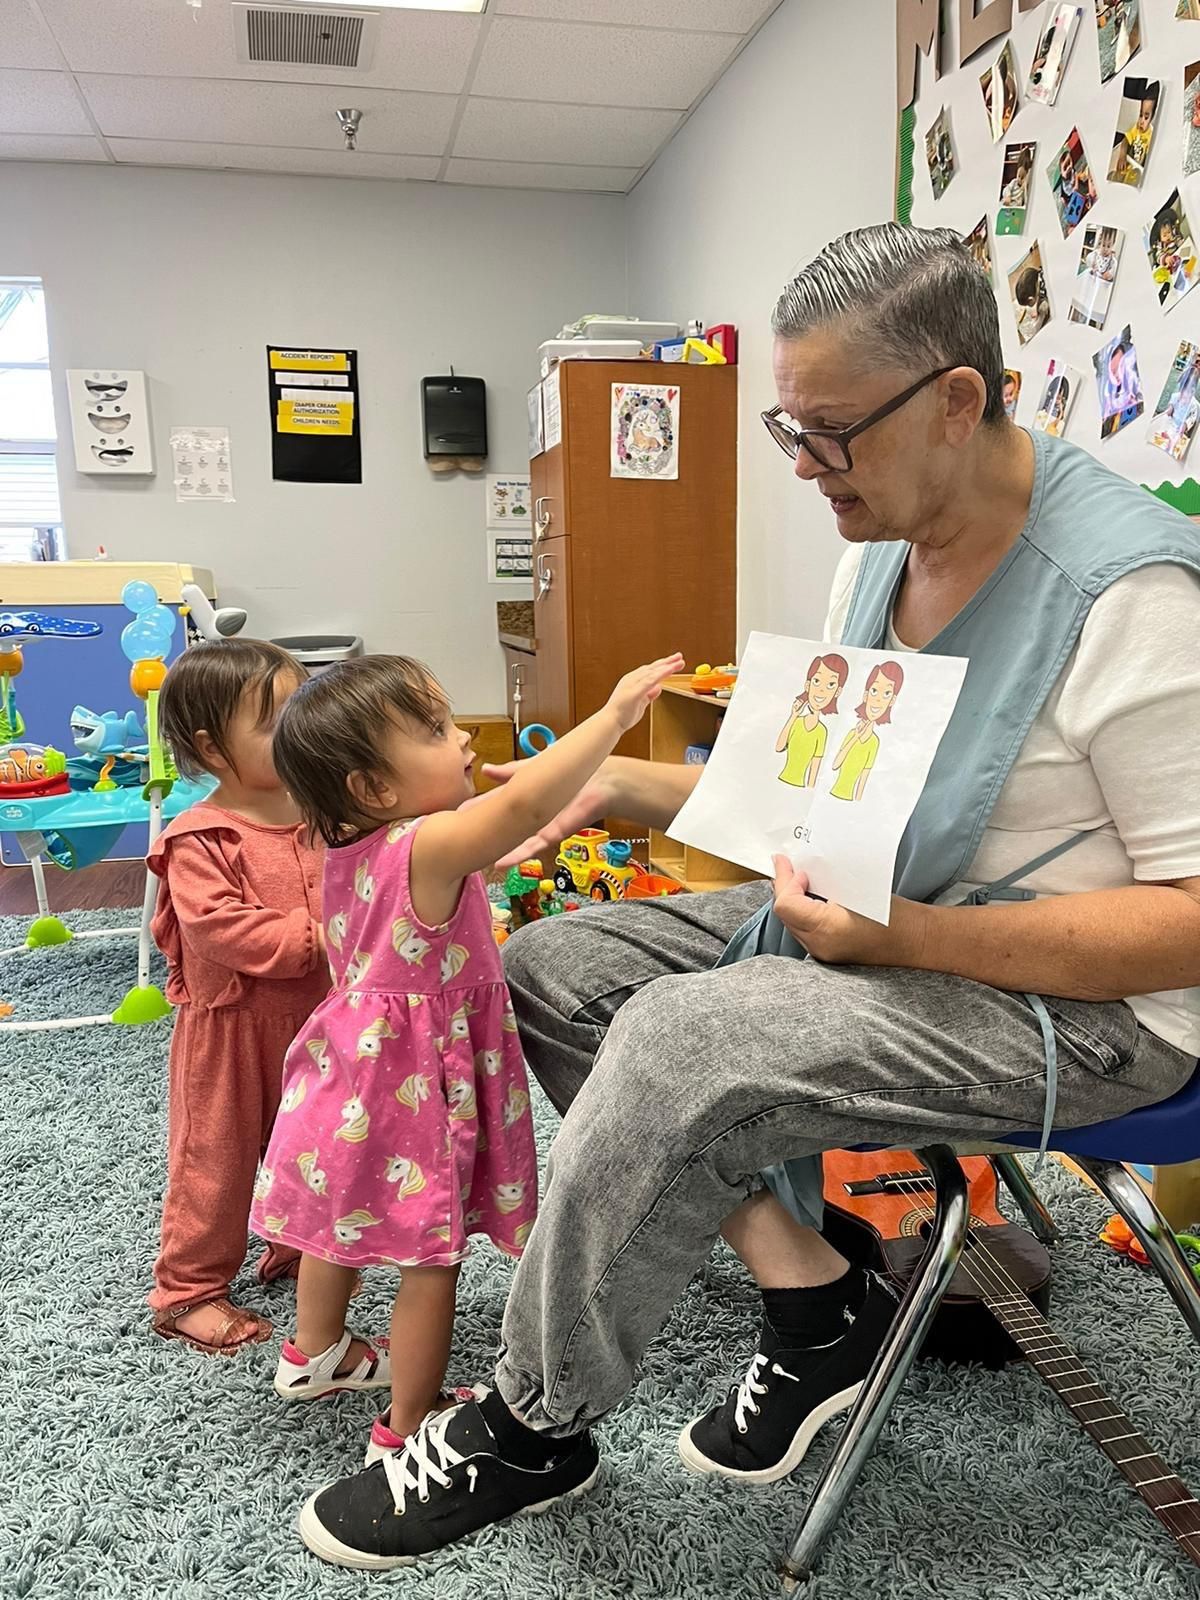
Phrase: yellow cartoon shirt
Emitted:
{"points": [[860, 758], [1138, 140], [803, 746]]}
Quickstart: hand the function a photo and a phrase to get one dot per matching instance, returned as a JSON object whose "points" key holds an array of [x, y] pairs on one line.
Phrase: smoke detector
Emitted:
{"points": [[304, 36]]}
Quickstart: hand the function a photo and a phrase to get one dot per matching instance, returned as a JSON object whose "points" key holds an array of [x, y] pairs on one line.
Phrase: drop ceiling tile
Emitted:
{"points": [[587, 65], [540, 175], [291, 115], [25, 41], [517, 130], [420, 50], [717, 16], [40, 102], [49, 147], [250, 158]]}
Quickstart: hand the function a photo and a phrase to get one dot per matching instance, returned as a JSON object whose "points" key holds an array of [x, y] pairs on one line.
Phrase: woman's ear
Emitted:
{"points": [[966, 401]]}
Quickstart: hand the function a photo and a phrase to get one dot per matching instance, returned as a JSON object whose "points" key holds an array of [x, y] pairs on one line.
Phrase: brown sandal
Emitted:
{"points": [[165, 1325]]}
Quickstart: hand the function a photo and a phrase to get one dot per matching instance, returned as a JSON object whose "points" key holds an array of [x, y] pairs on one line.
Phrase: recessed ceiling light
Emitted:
{"points": [[411, 5]]}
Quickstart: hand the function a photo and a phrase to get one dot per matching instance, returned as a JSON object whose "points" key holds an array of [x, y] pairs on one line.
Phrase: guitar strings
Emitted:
{"points": [[981, 1254]]}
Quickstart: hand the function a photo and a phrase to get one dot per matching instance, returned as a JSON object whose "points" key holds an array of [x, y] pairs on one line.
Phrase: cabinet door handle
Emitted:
{"points": [[545, 577], [516, 670], [542, 518]]}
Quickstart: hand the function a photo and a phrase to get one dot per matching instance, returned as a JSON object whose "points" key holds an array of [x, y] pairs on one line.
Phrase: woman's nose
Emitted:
{"points": [[807, 466]]}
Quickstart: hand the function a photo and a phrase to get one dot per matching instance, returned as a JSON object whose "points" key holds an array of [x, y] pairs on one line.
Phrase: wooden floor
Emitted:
{"points": [[112, 883]]}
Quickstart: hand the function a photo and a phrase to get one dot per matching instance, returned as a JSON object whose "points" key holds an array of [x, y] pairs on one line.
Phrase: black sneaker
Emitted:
{"points": [[448, 1481], [762, 1429]]}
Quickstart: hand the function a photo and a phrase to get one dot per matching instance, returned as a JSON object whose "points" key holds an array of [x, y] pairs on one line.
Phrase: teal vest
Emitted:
{"points": [[1086, 528]]}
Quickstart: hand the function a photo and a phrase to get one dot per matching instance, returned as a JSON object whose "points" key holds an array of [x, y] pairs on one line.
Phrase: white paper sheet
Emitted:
{"points": [[644, 439], [822, 757], [202, 464], [551, 411], [508, 502], [509, 557]]}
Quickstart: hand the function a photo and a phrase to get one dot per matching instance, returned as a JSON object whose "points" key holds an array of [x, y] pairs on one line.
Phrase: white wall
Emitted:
{"points": [[190, 275], [794, 145]]}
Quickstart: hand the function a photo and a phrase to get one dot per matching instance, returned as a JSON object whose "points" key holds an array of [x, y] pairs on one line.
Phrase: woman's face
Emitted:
{"points": [[822, 688], [879, 696]]}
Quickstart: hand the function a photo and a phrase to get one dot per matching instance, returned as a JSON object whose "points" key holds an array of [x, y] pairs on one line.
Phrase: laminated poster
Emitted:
{"points": [[203, 466], [822, 757]]}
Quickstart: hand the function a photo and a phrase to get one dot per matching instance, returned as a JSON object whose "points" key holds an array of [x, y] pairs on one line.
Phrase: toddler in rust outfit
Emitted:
{"points": [[239, 922]]}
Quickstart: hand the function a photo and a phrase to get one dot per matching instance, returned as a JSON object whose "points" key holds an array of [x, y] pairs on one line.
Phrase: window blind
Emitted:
{"points": [[28, 491]]}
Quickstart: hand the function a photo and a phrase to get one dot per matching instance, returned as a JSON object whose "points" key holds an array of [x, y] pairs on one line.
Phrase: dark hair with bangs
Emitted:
{"points": [[335, 724], [204, 688]]}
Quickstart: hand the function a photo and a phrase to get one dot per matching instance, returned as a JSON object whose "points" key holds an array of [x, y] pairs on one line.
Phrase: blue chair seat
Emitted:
{"points": [[1161, 1135]]}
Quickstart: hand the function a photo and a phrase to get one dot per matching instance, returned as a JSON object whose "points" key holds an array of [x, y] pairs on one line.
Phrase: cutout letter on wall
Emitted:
{"points": [[977, 29], [916, 30]]}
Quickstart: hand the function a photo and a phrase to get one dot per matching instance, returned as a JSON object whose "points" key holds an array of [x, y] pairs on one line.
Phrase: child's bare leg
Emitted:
{"points": [[323, 1290], [422, 1322]]}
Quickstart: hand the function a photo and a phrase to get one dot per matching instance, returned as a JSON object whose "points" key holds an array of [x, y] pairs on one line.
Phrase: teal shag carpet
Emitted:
{"points": [[141, 1469]]}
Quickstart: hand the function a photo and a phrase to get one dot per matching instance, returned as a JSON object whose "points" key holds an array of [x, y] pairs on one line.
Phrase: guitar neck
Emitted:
{"points": [[1098, 1414]]}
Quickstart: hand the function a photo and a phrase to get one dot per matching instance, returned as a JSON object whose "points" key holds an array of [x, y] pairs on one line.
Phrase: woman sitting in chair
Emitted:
{"points": [[1049, 887]]}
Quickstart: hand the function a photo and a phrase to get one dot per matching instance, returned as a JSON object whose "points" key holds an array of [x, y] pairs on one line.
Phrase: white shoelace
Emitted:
{"points": [[750, 1386], [414, 1467]]}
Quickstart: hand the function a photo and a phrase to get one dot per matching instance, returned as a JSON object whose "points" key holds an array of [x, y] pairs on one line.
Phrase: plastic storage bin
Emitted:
{"points": [[316, 651], [556, 350]]}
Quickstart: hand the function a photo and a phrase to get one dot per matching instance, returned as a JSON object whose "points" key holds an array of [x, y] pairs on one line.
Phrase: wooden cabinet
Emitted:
{"points": [[679, 718], [492, 741], [520, 678], [626, 570]]}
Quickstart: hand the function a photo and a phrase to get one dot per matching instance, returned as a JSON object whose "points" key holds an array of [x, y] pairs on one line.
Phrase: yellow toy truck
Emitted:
{"points": [[592, 864]]}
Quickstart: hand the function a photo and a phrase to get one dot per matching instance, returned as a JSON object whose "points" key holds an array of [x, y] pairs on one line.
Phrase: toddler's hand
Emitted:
{"points": [[638, 688]]}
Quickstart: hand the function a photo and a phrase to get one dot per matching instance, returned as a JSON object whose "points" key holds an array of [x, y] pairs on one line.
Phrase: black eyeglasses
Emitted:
{"points": [[830, 447]]}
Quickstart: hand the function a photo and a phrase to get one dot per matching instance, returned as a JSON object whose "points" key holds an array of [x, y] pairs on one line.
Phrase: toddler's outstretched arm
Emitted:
{"points": [[452, 844]]}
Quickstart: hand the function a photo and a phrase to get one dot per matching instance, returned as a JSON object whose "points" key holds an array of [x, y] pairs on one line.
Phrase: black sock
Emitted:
{"points": [[522, 1446], [804, 1318]]}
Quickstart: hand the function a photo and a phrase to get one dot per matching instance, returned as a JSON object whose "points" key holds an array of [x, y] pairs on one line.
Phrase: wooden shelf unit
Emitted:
{"points": [[678, 718]]}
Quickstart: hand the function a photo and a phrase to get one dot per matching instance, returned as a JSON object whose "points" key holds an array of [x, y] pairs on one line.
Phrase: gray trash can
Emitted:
{"points": [[316, 651]]}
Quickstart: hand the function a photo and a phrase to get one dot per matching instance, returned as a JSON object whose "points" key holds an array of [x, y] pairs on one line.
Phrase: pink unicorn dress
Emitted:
{"points": [[404, 1125]]}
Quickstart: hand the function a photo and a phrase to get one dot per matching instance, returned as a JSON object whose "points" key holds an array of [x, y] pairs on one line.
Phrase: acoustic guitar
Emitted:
{"points": [[879, 1208]]}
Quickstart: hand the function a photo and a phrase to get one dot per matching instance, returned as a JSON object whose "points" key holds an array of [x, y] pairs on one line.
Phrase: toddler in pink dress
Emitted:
{"points": [[404, 1126]]}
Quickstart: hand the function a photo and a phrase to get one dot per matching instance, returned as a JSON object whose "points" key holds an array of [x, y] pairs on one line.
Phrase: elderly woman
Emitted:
{"points": [[1071, 769]]}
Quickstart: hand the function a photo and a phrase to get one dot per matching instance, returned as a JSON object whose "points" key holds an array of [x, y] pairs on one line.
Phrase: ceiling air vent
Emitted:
{"points": [[304, 36]]}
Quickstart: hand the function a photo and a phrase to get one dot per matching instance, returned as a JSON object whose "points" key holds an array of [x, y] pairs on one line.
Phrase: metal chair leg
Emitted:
{"points": [[1020, 1185], [926, 1288], [1151, 1228]]}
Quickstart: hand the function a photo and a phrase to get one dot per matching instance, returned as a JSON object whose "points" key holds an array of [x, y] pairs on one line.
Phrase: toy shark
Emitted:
{"points": [[109, 734], [20, 627]]}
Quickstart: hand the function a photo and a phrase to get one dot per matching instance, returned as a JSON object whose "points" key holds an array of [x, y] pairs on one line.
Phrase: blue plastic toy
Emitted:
{"points": [[526, 738]]}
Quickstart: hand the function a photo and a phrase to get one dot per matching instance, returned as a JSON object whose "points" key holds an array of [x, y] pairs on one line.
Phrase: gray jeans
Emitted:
{"points": [[679, 1084]]}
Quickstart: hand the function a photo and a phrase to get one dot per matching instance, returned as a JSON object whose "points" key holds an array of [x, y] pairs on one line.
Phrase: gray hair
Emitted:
{"points": [[912, 297]]}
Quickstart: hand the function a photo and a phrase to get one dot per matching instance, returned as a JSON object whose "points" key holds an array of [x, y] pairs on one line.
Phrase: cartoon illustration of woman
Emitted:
{"points": [[803, 735], [860, 747]]}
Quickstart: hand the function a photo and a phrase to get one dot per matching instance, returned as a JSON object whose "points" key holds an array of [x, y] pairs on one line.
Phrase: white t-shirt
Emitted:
{"points": [[1116, 746]]}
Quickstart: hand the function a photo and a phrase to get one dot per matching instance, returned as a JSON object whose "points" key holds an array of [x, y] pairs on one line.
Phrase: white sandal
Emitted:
{"points": [[301, 1377]]}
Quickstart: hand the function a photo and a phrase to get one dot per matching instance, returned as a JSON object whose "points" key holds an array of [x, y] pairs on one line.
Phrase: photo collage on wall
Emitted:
{"points": [[1039, 292]]}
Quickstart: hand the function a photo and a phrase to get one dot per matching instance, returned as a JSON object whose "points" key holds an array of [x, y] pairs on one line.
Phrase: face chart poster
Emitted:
{"points": [[822, 758]]}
